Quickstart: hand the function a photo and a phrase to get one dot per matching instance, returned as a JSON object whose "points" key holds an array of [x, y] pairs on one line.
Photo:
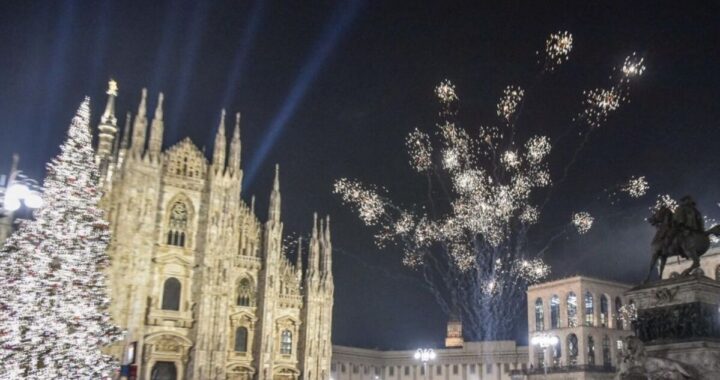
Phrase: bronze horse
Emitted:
{"points": [[671, 240]]}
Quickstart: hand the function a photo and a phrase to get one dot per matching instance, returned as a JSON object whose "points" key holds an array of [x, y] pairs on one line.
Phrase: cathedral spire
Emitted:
{"points": [[235, 147], [156, 130], [298, 259], [314, 255], [125, 141], [220, 143], [140, 126], [108, 126], [327, 249], [274, 209]]}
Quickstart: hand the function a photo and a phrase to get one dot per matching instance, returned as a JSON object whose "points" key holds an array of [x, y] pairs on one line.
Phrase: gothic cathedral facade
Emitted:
{"points": [[202, 286]]}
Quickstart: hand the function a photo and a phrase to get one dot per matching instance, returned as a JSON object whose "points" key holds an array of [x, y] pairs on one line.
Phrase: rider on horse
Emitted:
{"points": [[687, 218]]}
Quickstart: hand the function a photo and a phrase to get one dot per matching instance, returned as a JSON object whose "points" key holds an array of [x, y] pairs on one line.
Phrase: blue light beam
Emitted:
{"points": [[246, 43], [339, 22]]}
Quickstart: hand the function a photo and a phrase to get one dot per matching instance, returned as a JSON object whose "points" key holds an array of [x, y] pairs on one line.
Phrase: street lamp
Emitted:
{"points": [[425, 355], [544, 341], [18, 190], [18, 193]]}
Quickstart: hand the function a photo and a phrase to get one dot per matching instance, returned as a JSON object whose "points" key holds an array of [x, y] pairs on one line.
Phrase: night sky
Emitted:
{"points": [[330, 90]]}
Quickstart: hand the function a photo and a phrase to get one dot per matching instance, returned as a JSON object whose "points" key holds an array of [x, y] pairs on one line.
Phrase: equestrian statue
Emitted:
{"points": [[679, 233]]}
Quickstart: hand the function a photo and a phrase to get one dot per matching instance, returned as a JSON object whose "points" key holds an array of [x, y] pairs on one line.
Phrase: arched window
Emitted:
{"points": [[591, 351], [606, 352], [171, 294], [539, 315], [603, 311], [618, 315], [572, 347], [572, 309], [676, 274], [556, 353], [177, 224], [286, 342], [717, 273], [555, 312], [589, 309], [245, 293], [241, 336]]}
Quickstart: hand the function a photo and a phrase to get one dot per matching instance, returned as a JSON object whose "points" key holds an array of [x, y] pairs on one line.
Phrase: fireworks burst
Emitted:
{"points": [[599, 103], [470, 239], [636, 187], [633, 66], [557, 49], [420, 150], [583, 222], [664, 200], [506, 107], [370, 206]]}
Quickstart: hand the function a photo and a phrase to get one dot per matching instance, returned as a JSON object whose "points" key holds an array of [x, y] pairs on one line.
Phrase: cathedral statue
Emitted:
{"points": [[679, 233]]}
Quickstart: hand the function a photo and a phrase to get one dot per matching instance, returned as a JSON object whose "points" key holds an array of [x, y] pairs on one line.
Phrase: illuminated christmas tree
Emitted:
{"points": [[53, 296]]}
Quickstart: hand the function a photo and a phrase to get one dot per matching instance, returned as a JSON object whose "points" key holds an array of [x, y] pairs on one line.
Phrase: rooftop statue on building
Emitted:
{"points": [[679, 233]]}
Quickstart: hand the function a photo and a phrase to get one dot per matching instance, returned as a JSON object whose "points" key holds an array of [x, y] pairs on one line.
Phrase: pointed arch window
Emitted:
{"points": [[241, 337], [589, 309], [556, 352], [555, 312], [603, 311], [572, 309], [591, 351], [286, 342], [606, 352], [539, 315], [245, 293], [177, 224], [171, 294], [618, 315], [572, 347]]}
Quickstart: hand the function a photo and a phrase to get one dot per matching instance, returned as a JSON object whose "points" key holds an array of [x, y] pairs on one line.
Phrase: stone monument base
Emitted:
{"points": [[704, 356], [678, 323]]}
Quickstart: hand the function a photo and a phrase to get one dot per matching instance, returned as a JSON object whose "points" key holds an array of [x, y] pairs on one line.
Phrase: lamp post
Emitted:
{"points": [[425, 355], [16, 192], [544, 341]]}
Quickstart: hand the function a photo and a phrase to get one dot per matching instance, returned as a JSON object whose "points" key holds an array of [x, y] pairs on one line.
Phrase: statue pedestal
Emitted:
{"points": [[679, 319]]}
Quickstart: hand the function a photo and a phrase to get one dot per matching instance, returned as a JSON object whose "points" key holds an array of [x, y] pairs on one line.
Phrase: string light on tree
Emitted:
{"points": [[52, 287]]}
